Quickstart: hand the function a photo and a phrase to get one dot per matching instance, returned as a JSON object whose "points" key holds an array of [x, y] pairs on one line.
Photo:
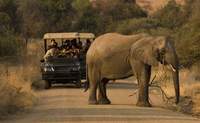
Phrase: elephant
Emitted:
{"points": [[115, 56]]}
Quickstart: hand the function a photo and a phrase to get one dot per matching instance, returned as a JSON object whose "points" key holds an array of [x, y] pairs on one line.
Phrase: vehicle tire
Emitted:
{"points": [[78, 84], [47, 85]]}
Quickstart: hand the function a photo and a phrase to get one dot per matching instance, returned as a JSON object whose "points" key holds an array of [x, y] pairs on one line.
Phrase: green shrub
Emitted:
{"points": [[188, 44], [188, 37], [10, 45], [171, 16], [182, 23], [134, 25]]}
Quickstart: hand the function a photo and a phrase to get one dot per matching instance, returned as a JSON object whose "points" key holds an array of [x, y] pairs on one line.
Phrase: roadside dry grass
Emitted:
{"points": [[15, 91], [16, 81], [35, 52], [190, 79], [189, 89]]}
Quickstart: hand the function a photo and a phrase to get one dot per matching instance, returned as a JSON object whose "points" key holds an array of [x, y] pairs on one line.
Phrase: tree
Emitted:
{"points": [[8, 15], [171, 16], [80, 5], [33, 21], [88, 22]]}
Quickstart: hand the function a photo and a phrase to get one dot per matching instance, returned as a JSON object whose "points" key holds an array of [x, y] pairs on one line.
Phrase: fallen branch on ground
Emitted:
{"points": [[156, 85]]}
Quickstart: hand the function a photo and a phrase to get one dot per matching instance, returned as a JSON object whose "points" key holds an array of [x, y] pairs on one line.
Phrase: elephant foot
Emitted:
{"points": [[92, 102], [143, 104], [104, 101]]}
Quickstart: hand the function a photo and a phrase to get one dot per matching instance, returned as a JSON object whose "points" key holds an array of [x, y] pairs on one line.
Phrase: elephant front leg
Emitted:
{"points": [[102, 97], [143, 97], [143, 77]]}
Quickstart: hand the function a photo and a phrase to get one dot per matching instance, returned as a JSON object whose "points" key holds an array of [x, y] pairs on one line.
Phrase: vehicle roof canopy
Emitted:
{"points": [[71, 35]]}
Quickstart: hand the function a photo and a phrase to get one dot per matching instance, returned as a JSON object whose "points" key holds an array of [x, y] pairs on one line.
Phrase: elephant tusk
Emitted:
{"points": [[172, 68]]}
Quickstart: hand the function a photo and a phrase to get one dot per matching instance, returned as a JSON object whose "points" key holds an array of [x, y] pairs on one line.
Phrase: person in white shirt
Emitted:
{"points": [[52, 52]]}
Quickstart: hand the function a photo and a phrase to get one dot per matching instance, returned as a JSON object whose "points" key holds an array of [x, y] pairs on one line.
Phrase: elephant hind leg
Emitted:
{"points": [[102, 96], [94, 79]]}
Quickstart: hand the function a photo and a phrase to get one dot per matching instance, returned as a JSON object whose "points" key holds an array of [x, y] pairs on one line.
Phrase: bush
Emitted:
{"points": [[188, 37], [88, 22], [10, 45], [171, 16], [188, 44], [134, 25], [182, 23], [99, 18], [124, 16]]}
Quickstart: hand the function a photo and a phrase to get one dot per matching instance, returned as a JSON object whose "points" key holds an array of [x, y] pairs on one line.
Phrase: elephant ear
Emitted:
{"points": [[147, 50]]}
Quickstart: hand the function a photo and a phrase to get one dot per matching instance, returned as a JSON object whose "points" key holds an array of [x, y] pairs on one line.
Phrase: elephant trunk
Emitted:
{"points": [[175, 75], [172, 61]]}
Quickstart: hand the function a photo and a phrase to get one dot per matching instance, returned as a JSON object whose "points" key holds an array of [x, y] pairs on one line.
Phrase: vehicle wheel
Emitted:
{"points": [[78, 84], [47, 84]]}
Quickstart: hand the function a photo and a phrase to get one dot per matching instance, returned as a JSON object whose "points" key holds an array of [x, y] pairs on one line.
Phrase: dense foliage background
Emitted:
{"points": [[21, 20]]}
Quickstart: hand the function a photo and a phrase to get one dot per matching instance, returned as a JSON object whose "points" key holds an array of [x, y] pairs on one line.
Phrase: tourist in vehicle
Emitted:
{"points": [[87, 45], [80, 45], [75, 51], [67, 43], [65, 51], [74, 42], [52, 52], [52, 44]]}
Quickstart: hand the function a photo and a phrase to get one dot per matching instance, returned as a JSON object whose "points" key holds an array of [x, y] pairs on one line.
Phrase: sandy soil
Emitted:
{"points": [[64, 104]]}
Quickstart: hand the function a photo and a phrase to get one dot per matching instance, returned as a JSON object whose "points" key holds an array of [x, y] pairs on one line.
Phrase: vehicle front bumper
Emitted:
{"points": [[53, 76]]}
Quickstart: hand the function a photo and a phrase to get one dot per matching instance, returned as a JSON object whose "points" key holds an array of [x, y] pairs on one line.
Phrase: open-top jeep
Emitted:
{"points": [[65, 68]]}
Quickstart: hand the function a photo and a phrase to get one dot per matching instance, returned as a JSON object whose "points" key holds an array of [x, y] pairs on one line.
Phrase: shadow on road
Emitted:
{"points": [[113, 85], [64, 86], [118, 85]]}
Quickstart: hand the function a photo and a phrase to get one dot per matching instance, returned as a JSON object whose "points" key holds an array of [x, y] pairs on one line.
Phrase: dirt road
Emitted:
{"points": [[65, 105]]}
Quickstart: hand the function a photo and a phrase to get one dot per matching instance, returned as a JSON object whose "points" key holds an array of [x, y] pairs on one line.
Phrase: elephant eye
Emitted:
{"points": [[162, 52], [160, 55]]}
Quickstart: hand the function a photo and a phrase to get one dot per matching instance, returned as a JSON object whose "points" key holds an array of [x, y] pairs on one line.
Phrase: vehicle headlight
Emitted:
{"points": [[48, 69], [77, 64], [76, 68]]}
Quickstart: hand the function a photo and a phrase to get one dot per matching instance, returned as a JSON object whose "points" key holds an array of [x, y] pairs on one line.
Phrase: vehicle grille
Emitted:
{"points": [[62, 68], [61, 76]]}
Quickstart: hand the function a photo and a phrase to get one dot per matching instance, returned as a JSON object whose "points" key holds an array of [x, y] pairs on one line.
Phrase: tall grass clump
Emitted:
{"points": [[15, 91], [189, 89], [16, 80]]}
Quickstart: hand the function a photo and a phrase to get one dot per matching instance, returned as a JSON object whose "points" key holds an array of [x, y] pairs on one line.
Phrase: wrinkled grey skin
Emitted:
{"points": [[114, 56]]}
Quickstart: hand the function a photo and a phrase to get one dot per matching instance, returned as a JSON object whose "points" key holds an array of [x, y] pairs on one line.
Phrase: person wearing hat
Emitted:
{"points": [[87, 45]]}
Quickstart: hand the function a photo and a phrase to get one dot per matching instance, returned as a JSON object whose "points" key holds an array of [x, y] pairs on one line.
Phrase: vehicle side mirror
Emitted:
{"points": [[42, 60]]}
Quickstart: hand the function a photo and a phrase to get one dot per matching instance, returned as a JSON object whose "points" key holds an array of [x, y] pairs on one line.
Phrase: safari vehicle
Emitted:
{"points": [[62, 69]]}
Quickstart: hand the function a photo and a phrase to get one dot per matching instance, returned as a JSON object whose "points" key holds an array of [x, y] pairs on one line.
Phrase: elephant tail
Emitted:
{"points": [[87, 83], [93, 75]]}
